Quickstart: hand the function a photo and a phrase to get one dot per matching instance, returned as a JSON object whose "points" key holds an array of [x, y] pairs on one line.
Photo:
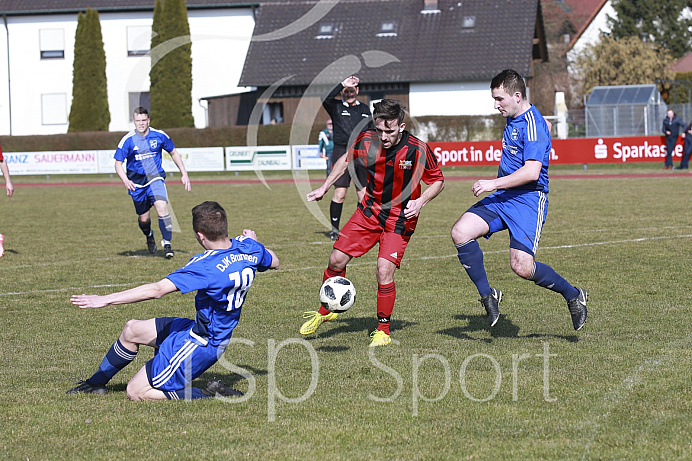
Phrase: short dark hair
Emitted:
{"points": [[141, 110], [389, 109], [209, 218], [511, 81]]}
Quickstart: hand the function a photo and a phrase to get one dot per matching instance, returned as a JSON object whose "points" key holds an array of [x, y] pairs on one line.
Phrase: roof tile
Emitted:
{"points": [[431, 47]]}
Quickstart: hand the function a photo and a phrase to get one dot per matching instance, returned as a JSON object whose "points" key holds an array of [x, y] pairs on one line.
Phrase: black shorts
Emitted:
{"points": [[345, 179]]}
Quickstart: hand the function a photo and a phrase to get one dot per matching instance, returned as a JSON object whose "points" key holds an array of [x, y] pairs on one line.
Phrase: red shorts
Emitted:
{"points": [[360, 234]]}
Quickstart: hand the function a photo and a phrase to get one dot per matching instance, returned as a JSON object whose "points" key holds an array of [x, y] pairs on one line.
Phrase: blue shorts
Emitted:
{"points": [[145, 196], [180, 357], [522, 212]]}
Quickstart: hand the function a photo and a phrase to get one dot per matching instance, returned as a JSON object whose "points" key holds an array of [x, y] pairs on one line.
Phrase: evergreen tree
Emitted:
{"points": [[171, 74], [662, 22], [157, 94], [89, 110]]}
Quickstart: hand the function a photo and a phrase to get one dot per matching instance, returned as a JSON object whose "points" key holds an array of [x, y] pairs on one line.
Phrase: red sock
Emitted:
{"points": [[329, 273], [386, 295]]}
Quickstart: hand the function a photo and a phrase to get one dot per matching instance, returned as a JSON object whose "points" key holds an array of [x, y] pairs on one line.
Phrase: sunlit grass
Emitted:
{"points": [[447, 388]]}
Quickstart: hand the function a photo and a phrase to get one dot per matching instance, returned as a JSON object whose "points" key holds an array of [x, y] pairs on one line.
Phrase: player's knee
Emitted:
{"points": [[338, 260], [385, 276], [458, 234], [129, 330], [521, 269], [132, 393], [336, 265]]}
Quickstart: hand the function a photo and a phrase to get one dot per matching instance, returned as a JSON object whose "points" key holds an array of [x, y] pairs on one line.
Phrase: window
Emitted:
{"points": [[325, 30], [273, 113], [468, 22], [138, 40], [54, 109], [142, 99], [387, 29], [52, 43]]}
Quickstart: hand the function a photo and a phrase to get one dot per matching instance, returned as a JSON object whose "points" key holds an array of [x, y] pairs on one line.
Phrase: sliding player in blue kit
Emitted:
{"points": [[185, 348], [520, 203], [141, 149]]}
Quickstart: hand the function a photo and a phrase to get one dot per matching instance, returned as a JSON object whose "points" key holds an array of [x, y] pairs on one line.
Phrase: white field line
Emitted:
{"points": [[599, 413], [308, 268]]}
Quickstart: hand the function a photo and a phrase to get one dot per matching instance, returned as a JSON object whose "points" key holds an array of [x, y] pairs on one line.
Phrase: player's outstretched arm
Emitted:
{"points": [[175, 156], [133, 295], [9, 188], [338, 170]]}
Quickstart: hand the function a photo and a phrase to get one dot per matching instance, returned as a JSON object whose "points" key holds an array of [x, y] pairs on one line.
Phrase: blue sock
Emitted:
{"points": [[544, 276], [471, 257], [188, 393], [166, 227], [115, 360]]}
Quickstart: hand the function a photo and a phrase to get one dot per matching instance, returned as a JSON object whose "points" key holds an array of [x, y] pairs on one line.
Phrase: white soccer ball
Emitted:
{"points": [[337, 294]]}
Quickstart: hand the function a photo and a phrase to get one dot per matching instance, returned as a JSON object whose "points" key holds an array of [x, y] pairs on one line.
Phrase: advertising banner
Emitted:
{"points": [[565, 151], [196, 159], [106, 161], [258, 158], [308, 158], [52, 162], [614, 150]]}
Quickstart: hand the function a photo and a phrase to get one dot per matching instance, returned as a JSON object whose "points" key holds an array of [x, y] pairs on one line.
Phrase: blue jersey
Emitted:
{"points": [[222, 279], [526, 137], [143, 155]]}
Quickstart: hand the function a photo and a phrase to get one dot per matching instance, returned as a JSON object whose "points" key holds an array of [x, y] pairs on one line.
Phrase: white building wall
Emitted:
{"points": [[220, 40], [592, 33], [461, 98], [124, 74], [32, 79], [4, 84]]}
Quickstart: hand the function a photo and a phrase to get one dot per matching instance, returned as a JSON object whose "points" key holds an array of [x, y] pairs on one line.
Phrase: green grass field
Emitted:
{"points": [[447, 388]]}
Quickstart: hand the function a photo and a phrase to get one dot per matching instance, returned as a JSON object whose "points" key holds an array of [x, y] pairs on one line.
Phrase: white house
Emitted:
{"points": [[590, 34], [37, 51]]}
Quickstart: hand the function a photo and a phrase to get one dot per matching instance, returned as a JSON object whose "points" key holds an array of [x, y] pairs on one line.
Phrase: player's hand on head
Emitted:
{"points": [[351, 81]]}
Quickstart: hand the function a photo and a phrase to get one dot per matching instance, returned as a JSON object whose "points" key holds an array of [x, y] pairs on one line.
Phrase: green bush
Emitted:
{"points": [[434, 129], [89, 110], [171, 72]]}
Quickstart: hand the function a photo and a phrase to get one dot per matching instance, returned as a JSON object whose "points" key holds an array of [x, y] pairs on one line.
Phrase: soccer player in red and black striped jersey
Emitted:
{"points": [[396, 162], [9, 188]]}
